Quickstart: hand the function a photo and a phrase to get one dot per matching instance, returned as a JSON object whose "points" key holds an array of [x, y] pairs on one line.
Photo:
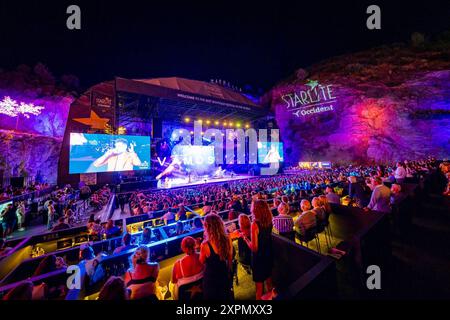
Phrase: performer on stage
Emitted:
{"points": [[219, 173], [175, 165]]}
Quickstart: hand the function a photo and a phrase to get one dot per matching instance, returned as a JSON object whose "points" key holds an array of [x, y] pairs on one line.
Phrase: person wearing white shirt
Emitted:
{"points": [[381, 197], [400, 173]]}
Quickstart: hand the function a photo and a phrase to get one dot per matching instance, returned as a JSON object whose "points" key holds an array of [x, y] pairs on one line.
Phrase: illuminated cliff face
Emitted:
{"points": [[391, 104]]}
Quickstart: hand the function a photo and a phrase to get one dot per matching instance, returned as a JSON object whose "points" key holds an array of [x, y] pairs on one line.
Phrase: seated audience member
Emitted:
{"points": [[232, 215], [146, 236], [331, 196], [283, 223], [90, 263], [111, 230], [21, 292], [326, 205], [168, 217], [142, 276], [126, 244], [380, 199], [197, 224], [61, 225], [188, 269], [400, 173], [276, 203], [48, 264], [206, 208], [306, 219], [235, 204], [397, 196], [320, 212], [179, 228], [114, 290], [181, 214]]}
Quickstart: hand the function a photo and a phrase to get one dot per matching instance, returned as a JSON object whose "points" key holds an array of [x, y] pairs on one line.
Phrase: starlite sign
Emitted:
{"points": [[317, 98]]}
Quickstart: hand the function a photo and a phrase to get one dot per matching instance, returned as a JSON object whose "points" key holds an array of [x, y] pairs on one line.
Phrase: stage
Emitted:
{"points": [[174, 183]]}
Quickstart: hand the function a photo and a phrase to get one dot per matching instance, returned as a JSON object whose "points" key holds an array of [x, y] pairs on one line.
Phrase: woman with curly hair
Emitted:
{"points": [[216, 253]]}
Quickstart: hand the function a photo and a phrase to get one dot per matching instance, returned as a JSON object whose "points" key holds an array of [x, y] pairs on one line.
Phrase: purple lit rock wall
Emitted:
{"points": [[391, 103], [29, 145]]}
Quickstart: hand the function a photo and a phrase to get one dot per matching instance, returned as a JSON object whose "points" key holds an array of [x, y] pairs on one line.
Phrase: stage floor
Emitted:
{"points": [[182, 183]]}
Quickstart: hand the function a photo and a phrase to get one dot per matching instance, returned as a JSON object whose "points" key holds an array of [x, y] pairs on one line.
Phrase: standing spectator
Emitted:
{"points": [[244, 232], [50, 215], [9, 220], [356, 192], [261, 245], [20, 212], [122, 201], [216, 253], [400, 173]]}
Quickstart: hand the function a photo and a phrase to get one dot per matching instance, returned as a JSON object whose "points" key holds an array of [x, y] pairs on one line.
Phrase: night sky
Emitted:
{"points": [[253, 43]]}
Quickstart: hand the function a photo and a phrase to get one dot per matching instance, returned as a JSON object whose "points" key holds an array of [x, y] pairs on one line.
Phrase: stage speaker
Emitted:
{"points": [[157, 128], [17, 182]]}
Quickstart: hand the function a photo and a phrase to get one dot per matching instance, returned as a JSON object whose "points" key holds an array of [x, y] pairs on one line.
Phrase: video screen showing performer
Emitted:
{"points": [[270, 152], [106, 153]]}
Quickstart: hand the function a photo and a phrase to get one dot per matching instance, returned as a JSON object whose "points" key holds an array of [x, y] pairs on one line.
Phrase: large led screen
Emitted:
{"points": [[108, 153]]}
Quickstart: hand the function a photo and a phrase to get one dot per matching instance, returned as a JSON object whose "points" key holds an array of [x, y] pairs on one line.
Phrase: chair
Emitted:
{"points": [[191, 291], [288, 235], [323, 226], [309, 235]]}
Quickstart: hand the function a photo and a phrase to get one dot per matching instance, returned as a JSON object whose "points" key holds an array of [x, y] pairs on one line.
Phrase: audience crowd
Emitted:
{"points": [[261, 206]]}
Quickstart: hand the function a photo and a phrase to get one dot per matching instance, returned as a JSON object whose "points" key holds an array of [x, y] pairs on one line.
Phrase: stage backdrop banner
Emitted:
{"points": [[89, 179]]}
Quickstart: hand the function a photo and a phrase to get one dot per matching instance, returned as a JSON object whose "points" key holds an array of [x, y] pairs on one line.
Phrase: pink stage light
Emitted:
{"points": [[12, 108]]}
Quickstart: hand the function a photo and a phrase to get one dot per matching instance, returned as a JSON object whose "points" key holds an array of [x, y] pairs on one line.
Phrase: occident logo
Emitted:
{"points": [[317, 98]]}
